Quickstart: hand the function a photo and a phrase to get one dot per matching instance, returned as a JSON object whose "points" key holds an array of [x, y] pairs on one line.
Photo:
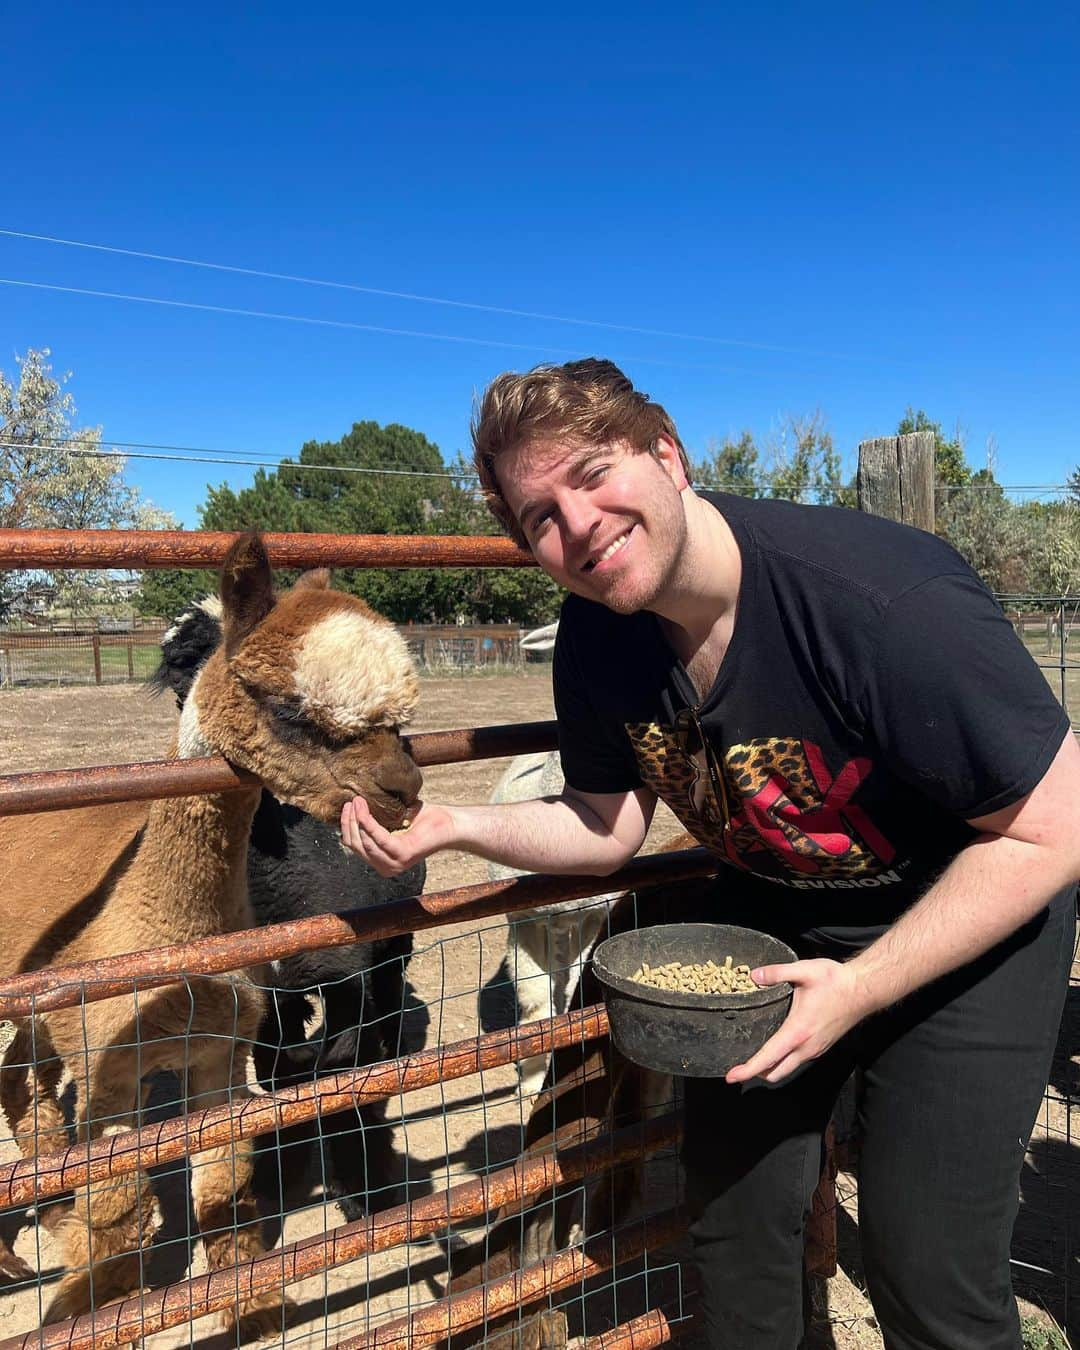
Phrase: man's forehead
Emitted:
{"points": [[544, 459]]}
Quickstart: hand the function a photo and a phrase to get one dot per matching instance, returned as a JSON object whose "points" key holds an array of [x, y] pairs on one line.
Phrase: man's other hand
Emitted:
{"points": [[828, 1001]]}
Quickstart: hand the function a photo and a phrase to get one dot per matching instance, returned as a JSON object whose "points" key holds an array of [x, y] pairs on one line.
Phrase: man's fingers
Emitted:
{"points": [[788, 1065], [775, 1049], [794, 972]]}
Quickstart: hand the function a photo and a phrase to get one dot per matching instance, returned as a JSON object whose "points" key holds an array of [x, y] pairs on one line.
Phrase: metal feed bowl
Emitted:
{"points": [[695, 1035]]}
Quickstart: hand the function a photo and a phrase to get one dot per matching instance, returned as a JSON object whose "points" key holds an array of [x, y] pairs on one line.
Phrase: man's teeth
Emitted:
{"points": [[611, 549]]}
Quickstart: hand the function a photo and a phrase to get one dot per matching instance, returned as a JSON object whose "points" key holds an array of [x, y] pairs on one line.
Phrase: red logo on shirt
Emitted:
{"points": [[801, 813]]}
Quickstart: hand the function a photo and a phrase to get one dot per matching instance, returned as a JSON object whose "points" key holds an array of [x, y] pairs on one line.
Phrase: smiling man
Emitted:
{"points": [[837, 707]]}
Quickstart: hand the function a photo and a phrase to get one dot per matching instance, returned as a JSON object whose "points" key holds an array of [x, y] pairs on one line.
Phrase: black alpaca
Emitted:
{"points": [[297, 868]]}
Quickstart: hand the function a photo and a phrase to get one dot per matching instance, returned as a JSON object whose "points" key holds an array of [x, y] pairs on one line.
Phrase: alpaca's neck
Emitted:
{"points": [[192, 862], [194, 859]]}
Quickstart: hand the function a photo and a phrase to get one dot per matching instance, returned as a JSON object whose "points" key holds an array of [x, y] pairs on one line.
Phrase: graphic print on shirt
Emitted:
{"points": [[790, 816]]}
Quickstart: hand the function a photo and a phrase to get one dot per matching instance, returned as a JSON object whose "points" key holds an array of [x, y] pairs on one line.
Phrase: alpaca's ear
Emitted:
{"points": [[247, 589], [318, 579]]}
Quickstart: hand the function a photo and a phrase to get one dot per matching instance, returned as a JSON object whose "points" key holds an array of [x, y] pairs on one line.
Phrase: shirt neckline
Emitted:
{"points": [[725, 675]]}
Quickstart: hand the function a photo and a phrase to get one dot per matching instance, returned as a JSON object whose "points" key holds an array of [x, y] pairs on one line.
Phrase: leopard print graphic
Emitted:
{"points": [[789, 814]]}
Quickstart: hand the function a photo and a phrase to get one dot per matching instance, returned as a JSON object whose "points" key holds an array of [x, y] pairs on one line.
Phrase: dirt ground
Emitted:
{"points": [[453, 1132]]}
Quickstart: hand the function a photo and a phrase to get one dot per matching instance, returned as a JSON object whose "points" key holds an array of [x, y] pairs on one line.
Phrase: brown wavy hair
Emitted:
{"points": [[589, 402]]}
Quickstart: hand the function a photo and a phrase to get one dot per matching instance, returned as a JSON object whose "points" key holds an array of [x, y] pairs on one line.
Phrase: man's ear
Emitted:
{"points": [[247, 590], [669, 456]]}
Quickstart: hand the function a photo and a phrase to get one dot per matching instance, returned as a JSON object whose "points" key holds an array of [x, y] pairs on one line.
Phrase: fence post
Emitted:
{"points": [[95, 642], [896, 478], [131, 657]]}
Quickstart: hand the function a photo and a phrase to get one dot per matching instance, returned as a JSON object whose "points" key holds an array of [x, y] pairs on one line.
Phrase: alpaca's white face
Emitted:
{"points": [[377, 690], [310, 698]]}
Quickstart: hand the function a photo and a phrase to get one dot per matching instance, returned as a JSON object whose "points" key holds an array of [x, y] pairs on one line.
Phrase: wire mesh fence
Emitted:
{"points": [[1045, 624], [353, 1162], [319, 1094]]}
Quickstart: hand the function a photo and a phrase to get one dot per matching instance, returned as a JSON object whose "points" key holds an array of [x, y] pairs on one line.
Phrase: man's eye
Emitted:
{"points": [[538, 521], [596, 474]]}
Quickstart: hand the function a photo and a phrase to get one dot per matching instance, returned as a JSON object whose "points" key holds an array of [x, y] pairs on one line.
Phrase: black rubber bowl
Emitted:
{"points": [[695, 1035]]}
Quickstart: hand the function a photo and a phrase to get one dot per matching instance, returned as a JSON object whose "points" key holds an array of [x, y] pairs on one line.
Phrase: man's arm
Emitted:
{"points": [[588, 832], [1024, 855]]}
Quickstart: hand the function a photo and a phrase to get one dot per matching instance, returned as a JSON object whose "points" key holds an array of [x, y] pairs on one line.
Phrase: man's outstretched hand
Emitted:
{"points": [[391, 852]]}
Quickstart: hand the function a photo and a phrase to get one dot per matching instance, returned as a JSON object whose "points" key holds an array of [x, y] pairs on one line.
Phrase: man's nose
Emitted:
{"points": [[579, 515]]}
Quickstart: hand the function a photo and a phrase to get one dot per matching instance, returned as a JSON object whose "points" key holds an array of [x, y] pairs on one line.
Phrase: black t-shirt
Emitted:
{"points": [[873, 697]]}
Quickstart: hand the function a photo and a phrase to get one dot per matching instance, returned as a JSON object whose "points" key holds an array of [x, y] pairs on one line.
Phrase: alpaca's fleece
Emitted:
{"points": [[190, 741], [376, 689]]}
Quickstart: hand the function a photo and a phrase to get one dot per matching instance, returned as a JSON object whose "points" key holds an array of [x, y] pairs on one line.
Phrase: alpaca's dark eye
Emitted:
{"points": [[291, 724], [282, 710]]}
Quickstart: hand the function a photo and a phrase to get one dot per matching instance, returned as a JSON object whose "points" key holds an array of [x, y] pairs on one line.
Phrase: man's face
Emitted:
{"points": [[603, 520]]}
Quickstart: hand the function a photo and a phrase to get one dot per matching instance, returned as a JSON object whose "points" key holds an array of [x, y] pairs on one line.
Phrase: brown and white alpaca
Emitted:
{"points": [[307, 691]]}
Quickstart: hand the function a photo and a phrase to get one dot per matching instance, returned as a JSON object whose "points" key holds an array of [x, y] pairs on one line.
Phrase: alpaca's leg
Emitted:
{"points": [[112, 1222], [28, 1097], [386, 985], [29, 1092], [281, 1033], [364, 1172], [225, 1209]]}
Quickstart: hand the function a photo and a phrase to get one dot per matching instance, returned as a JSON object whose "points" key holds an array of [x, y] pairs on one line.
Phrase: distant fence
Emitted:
{"points": [[31, 656]]}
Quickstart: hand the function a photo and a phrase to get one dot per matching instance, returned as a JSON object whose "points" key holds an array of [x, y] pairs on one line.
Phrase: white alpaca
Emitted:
{"points": [[546, 947]]}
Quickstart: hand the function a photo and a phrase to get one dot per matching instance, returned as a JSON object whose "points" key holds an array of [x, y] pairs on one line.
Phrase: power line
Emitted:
{"points": [[265, 314], [200, 455], [408, 295], [259, 463], [360, 327]]}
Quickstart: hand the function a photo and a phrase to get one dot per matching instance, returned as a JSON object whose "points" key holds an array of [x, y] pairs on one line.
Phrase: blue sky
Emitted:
{"points": [[850, 207]]}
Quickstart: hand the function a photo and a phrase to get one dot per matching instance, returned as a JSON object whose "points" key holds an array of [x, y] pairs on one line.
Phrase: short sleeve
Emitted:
{"points": [[595, 750], [955, 701]]}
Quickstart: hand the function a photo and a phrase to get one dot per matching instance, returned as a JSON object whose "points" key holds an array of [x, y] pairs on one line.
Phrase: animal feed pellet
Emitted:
{"points": [[701, 978]]}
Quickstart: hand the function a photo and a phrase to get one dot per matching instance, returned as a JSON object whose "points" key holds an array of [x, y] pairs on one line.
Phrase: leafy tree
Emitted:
{"points": [[729, 466], [799, 463], [983, 526], [382, 480], [167, 592], [55, 475], [804, 465], [1050, 547]]}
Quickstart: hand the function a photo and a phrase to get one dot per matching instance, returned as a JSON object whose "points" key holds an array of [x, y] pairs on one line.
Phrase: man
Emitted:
{"points": [[835, 705]]}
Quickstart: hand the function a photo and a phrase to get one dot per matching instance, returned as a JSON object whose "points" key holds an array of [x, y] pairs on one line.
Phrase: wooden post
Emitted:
{"points": [[131, 657], [896, 478], [95, 642]]}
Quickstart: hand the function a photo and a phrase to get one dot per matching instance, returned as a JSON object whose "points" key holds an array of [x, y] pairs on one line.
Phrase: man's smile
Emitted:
{"points": [[608, 552]]}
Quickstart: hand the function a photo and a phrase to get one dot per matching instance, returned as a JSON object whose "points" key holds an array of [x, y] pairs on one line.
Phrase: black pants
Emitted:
{"points": [[952, 1079]]}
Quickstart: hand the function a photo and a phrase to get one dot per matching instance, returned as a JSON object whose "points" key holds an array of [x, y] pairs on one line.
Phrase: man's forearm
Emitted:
{"points": [[988, 891], [548, 834]]}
